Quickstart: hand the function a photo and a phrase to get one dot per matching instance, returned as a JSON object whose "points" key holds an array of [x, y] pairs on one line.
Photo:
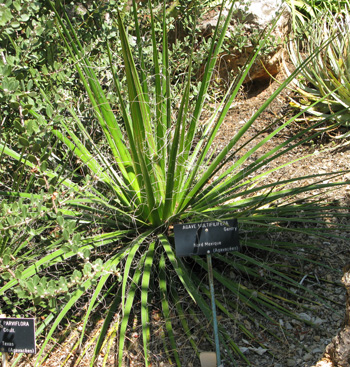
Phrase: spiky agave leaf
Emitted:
{"points": [[115, 228], [327, 75]]}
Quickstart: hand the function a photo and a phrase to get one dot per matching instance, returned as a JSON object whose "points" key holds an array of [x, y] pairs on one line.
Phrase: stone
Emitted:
{"points": [[317, 350], [251, 18], [307, 357], [318, 321], [304, 316]]}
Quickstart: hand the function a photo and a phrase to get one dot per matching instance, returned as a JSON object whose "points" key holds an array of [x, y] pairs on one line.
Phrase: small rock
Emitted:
{"points": [[318, 321], [317, 350], [305, 316], [259, 350], [290, 362], [317, 338], [307, 357], [329, 277]]}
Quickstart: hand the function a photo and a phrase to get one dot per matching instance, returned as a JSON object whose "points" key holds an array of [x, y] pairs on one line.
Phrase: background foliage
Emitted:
{"points": [[328, 74]]}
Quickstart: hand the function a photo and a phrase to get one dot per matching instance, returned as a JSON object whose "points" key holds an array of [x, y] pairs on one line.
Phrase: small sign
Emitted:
{"points": [[17, 335], [206, 237]]}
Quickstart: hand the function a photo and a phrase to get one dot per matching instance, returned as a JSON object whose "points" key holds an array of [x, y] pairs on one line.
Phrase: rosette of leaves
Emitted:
{"points": [[307, 9], [111, 192], [327, 75]]}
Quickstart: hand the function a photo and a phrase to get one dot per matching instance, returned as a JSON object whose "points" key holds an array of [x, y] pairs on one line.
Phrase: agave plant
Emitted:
{"points": [[327, 75], [307, 9], [98, 233]]}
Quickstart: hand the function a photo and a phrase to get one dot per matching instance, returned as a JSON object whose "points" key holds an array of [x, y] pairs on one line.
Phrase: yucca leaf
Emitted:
{"points": [[244, 294], [98, 99], [143, 134], [183, 319], [163, 285], [175, 170], [127, 309], [110, 314], [146, 276], [215, 48], [131, 254], [328, 73], [138, 104]]}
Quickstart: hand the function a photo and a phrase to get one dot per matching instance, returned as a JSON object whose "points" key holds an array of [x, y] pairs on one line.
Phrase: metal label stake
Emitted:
{"points": [[213, 307], [4, 359]]}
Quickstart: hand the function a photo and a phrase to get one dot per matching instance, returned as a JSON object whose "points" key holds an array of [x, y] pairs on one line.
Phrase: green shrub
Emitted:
{"points": [[327, 75], [307, 9]]}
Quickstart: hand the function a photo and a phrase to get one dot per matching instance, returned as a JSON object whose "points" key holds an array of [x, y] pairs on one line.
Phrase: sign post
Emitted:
{"points": [[206, 238], [213, 307], [4, 359]]}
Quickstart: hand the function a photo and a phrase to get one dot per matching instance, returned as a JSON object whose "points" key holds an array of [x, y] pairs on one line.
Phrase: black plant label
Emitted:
{"points": [[206, 237], [17, 335]]}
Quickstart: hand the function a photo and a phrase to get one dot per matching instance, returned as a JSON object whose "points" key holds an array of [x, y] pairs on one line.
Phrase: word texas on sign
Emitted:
{"points": [[206, 237]]}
